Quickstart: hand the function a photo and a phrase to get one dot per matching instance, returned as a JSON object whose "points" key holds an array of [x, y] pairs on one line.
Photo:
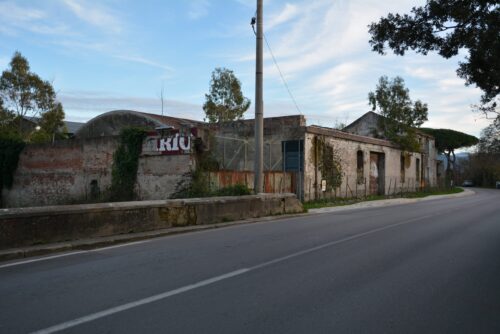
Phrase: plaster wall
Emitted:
{"points": [[60, 173], [234, 142], [347, 152], [69, 171]]}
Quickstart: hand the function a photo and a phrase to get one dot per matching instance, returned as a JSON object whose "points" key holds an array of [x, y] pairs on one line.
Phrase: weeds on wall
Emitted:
{"points": [[196, 183], [126, 163], [10, 148], [329, 162]]}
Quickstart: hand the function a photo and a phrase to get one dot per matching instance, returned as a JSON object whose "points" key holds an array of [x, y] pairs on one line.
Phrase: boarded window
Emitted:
{"points": [[417, 170], [293, 155], [402, 168], [360, 169]]}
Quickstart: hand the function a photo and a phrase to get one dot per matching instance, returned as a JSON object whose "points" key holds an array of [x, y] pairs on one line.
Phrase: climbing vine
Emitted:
{"points": [[126, 163], [9, 157], [329, 162], [195, 183]]}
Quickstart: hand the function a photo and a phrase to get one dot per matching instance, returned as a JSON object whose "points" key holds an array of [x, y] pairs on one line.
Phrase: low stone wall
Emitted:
{"points": [[20, 227]]}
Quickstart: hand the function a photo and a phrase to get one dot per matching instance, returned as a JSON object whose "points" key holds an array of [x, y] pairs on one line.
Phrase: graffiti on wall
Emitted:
{"points": [[175, 142]]}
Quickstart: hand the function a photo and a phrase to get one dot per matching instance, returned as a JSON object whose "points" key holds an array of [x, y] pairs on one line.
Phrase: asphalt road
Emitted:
{"points": [[428, 267]]}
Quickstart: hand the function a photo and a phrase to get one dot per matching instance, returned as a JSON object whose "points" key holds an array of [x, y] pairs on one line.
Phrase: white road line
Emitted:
{"points": [[72, 253], [94, 316], [167, 294], [120, 245], [172, 236], [40, 259]]}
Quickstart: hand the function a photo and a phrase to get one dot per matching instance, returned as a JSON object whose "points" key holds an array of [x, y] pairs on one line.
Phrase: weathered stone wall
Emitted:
{"points": [[79, 171], [234, 142], [347, 149], [28, 226], [429, 161], [60, 173], [158, 175]]}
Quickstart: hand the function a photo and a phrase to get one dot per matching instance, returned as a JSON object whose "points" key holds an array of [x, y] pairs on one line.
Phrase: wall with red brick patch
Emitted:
{"points": [[79, 171], [60, 173]]}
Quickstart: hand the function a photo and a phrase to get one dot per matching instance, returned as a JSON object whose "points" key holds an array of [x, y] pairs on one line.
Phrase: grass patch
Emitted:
{"points": [[322, 203]]}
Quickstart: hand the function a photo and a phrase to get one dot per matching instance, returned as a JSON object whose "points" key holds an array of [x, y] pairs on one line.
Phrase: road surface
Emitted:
{"points": [[427, 267]]}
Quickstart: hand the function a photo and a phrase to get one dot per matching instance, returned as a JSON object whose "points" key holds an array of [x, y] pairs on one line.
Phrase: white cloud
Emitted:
{"points": [[88, 104], [198, 9], [14, 13], [324, 53], [145, 61], [95, 15], [288, 13], [16, 18]]}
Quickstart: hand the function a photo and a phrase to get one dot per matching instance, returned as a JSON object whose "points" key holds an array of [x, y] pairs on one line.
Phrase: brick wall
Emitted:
{"points": [[71, 171], [60, 173]]}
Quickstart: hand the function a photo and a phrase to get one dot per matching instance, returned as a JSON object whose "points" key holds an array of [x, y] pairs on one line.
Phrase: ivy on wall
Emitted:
{"points": [[9, 157], [195, 183], [328, 162], [126, 163]]}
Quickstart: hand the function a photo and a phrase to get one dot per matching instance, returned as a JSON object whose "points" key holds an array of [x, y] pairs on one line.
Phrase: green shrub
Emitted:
{"points": [[125, 164], [10, 148], [236, 190]]}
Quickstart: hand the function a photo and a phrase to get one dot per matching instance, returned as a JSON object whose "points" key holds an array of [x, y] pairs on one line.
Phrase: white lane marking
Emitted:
{"points": [[336, 242], [167, 294], [137, 303], [173, 236], [120, 245], [72, 253], [40, 259]]}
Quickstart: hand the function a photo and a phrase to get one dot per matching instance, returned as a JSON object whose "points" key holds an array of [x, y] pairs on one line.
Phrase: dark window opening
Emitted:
{"points": [[95, 191], [402, 168], [417, 170], [293, 155], [360, 167]]}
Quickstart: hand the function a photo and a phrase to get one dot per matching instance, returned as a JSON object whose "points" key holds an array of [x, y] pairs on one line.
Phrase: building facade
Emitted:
{"points": [[313, 162]]}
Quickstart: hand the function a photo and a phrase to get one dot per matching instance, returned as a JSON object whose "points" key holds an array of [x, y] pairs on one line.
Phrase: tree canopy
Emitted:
{"points": [[401, 116], [225, 101], [448, 140], [448, 26], [24, 94], [489, 142]]}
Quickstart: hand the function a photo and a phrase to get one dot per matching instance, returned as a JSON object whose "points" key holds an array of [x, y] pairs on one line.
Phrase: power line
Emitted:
{"points": [[281, 75], [252, 23]]}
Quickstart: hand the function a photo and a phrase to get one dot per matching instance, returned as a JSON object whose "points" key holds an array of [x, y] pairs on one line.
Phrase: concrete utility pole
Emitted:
{"points": [[259, 103]]}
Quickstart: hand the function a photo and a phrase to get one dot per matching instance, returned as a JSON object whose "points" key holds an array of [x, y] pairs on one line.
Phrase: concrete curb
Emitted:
{"points": [[389, 202], [86, 244]]}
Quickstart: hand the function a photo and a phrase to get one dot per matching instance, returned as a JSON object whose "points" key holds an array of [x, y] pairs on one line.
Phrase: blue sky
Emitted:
{"points": [[117, 54]]}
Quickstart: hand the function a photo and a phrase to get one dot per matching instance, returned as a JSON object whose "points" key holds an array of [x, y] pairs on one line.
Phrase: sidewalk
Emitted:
{"points": [[85, 244]]}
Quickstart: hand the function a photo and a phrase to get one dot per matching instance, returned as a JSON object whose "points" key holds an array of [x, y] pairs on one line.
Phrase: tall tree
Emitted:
{"points": [[448, 26], [489, 142], [23, 92], [484, 165], [447, 141], [401, 116], [51, 125], [225, 101]]}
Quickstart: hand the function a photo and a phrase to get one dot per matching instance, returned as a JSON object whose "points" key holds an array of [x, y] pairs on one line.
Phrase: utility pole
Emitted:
{"points": [[259, 103]]}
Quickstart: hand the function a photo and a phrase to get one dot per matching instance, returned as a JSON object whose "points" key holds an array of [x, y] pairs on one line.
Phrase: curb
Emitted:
{"points": [[389, 202], [87, 244]]}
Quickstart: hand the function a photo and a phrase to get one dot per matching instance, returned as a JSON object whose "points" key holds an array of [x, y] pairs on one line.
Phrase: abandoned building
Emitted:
{"points": [[312, 161]]}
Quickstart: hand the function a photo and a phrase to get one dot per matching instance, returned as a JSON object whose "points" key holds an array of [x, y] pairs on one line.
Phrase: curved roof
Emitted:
{"points": [[112, 122]]}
